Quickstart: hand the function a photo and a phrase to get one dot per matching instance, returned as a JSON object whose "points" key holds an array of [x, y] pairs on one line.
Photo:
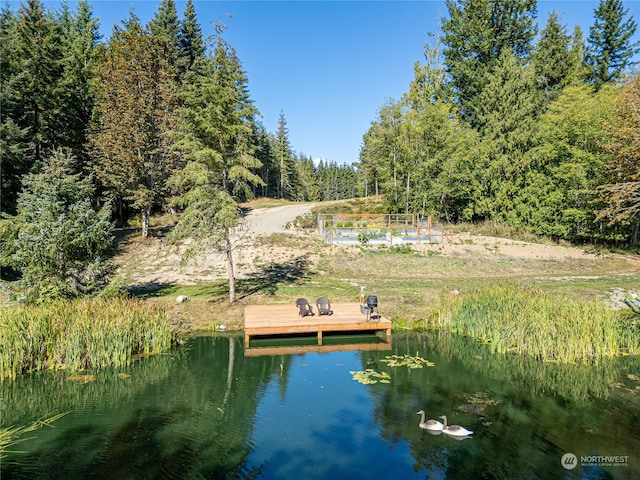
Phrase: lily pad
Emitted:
{"points": [[370, 376], [407, 361]]}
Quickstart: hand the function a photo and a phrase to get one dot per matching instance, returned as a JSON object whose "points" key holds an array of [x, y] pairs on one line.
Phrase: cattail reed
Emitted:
{"points": [[514, 319], [80, 334]]}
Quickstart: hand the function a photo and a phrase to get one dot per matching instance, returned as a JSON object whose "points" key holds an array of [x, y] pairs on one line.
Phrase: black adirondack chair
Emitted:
{"points": [[304, 308]]}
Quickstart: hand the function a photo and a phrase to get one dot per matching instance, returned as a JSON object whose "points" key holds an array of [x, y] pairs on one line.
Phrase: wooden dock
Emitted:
{"points": [[265, 320], [301, 349]]}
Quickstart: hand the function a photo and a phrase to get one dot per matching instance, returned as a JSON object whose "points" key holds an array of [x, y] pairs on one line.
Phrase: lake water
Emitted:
{"points": [[208, 411]]}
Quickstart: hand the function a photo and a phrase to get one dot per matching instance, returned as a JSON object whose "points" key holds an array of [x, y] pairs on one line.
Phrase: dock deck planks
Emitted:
{"points": [[263, 320]]}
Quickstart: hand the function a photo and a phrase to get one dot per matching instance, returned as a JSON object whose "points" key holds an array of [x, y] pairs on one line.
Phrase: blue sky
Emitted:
{"points": [[328, 65]]}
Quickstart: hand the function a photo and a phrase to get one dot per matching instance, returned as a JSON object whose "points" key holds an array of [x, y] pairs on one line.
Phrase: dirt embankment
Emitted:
{"points": [[153, 262]]}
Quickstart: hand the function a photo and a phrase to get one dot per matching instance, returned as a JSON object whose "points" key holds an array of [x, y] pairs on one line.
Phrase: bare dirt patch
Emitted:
{"points": [[153, 261], [269, 238]]}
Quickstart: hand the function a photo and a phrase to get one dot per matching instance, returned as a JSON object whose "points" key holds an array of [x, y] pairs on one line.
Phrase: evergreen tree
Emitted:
{"points": [[306, 185], [475, 35], [57, 241], [165, 29], [191, 44], [38, 62], [134, 110], [265, 143], [578, 70], [217, 129], [14, 137], [508, 105], [218, 121], [210, 217], [610, 50], [552, 56], [285, 159], [336, 182], [79, 38]]}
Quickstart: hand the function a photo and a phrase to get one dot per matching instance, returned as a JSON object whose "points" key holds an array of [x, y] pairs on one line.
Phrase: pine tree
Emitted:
{"points": [[285, 159], [217, 130], [508, 105], [265, 144], [191, 44], [14, 137], [610, 51], [79, 39], [134, 110], [57, 241], [551, 56], [218, 121], [38, 60], [475, 35], [306, 185], [165, 29], [578, 70]]}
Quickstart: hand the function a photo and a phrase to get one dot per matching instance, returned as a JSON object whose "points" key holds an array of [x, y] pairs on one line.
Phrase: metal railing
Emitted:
{"points": [[389, 229]]}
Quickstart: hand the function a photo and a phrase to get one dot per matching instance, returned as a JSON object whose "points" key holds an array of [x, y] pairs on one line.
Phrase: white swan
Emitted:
{"points": [[429, 424], [456, 430]]}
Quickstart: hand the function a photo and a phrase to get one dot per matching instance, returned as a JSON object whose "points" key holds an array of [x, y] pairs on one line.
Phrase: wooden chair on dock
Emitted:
{"points": [[304, 308], [324, 306]]}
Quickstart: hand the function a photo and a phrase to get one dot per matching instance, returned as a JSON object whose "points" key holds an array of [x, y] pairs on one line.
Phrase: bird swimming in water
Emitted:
{"points": [[429, 424], [456, 430]]}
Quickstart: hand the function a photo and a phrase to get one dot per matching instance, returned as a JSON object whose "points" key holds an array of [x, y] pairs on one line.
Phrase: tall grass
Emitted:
{"points": [[80, 334], [515, 319], [11, 436]]}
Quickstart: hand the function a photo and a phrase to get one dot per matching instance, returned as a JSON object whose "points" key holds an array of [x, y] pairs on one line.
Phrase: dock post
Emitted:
{"points": [[246, 340], [319, 337]]}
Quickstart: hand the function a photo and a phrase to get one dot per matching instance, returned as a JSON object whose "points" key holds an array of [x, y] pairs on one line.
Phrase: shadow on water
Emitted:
{"points": [[208, 411]]}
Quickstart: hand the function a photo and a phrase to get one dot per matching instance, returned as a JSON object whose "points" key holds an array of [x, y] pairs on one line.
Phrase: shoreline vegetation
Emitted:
{"points": [[77, 335], [514, 319], [509, 318], [564, 324]]}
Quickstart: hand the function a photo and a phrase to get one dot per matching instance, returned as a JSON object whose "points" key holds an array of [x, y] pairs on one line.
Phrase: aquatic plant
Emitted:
{"points": [[406, 361], [81, 334], [370, 376], [11, 436], [516, 319]]}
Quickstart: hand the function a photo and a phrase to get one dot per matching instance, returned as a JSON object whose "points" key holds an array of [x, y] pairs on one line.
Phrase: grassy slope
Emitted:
{"points": [[407, 283]]}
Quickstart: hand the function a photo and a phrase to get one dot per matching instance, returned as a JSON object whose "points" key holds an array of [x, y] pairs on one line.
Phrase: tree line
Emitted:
{"points": [[505, 123], [537, 135], [155, 118]]}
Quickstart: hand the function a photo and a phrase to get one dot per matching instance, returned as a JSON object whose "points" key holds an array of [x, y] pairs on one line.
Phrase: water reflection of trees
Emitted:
{"points": [[163, 419], [573, 382], [525, 414]]}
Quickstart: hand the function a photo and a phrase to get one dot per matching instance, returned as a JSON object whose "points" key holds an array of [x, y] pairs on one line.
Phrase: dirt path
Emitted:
{"points": [[153, 262], [265, 221], [271, 238]]}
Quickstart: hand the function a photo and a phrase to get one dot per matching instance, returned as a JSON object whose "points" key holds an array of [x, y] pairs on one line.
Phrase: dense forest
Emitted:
{"points": [[533, 129], [536, 129]]}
